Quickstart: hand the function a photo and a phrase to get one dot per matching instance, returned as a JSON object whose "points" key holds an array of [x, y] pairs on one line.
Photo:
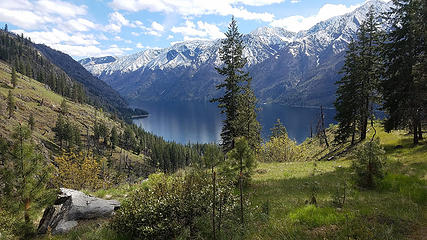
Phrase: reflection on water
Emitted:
{"points": [[185, 122]]}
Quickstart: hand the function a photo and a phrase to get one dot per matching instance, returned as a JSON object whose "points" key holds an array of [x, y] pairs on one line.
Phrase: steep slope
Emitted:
{"points": [[291, 68], [101, 93]]}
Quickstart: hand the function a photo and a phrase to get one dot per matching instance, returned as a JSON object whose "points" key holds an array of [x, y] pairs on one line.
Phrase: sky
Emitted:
{"points": [[121, 27]]}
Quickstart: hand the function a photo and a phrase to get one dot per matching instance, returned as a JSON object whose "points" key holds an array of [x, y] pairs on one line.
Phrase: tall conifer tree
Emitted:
{"points": [[357, 91], [238, 97], [404, 85]]}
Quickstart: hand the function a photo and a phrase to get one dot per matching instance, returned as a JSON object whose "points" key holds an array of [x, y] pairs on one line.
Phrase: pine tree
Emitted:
{"points": [[25, 175], [64, 107], [357, 92], [10, 104], [404, 86], [31, 122], [236, 79], [247, 124], [13, 79], [346, 100], [114, 138], [278, 130], [59, 129]]}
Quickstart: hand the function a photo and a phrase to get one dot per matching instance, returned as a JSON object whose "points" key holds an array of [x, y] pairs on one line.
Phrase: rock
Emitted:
{"points": [[72, 206]]}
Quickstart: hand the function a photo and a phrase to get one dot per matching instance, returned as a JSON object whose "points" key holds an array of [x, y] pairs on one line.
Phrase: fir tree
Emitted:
{"points": [[358, 89], [114, 137], [404, 86], [13, 79], [247, 124], [31, 122], [10, 104], [64, 107], [278, 130], [346, 100], [25, 175], [236, 79]]}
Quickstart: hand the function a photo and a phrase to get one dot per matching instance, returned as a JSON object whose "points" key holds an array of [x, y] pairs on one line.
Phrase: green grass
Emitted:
{"points": [[318, 216], [392, 212]]}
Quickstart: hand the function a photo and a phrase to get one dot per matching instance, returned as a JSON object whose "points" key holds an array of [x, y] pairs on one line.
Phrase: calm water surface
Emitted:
{"points": [[185, 122]]}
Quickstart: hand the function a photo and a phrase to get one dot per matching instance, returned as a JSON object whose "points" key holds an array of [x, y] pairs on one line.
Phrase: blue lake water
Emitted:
{"points": [[201, 122]]}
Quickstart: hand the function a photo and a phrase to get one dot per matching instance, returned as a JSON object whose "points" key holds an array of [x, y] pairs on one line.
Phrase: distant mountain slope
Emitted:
{"points": [[101, 93], [287, 67]]}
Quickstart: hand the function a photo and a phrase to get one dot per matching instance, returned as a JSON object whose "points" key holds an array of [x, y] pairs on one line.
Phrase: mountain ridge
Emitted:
{"points": [[293, 68]]}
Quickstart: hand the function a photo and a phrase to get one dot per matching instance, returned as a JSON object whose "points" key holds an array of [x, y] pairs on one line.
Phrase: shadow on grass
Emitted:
{"points": [[378, 215], [4, 85]]}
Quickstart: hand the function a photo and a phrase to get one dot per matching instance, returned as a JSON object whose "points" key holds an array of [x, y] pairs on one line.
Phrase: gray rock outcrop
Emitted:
{"points": [[72, 206]]}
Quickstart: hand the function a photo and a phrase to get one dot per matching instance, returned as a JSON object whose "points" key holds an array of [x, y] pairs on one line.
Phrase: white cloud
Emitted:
{"points": [[80, 25], [170, 37], [202, 30], [198, 8], [61, 8], [56, 36], [117, 21], [135, 34], [298, 23], [157, 26], [295, 1], [139, 45]]}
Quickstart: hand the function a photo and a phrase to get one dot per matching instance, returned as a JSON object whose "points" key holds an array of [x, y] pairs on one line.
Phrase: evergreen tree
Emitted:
{"points": [[59, 129], [31, 122], [10, 104], [346, 100], [247, 124], [25, 175], [404, 86], [241, 159], [236, 79], [5, 28], [13, 79], [359, 87], [64, 107], [114, 137], [278, 130]]}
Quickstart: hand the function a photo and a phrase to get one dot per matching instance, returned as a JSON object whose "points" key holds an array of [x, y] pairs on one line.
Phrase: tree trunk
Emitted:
{"points": [[27, 203], [420, 130], [415, 128]]}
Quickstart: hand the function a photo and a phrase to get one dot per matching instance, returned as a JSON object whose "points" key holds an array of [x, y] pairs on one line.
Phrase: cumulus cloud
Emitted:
{"points": [[298, 23], [202, 30], [198, 8], [117, 21], [56, 36]]}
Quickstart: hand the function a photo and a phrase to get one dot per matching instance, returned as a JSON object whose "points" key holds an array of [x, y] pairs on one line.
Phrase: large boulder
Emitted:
{"points": [[72, 206]]}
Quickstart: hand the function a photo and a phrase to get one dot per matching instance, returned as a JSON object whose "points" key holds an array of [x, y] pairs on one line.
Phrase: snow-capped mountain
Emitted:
{"points": [[287, 67]]}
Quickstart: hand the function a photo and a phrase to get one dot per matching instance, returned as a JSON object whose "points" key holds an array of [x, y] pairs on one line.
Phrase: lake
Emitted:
{"points": [[201, 122]]}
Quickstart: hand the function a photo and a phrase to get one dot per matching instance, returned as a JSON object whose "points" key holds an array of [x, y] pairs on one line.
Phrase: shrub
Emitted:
{"points": [[368, 164], [168, 207], [280, 149], [78, 171], [410, 186], [316, 216]]}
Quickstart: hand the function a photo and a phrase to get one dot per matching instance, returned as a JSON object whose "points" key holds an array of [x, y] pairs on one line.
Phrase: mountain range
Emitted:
{"points": [[292, 68]]}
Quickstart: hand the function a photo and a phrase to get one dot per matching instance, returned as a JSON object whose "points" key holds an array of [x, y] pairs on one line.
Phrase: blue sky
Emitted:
{"points": [[121, 27]]}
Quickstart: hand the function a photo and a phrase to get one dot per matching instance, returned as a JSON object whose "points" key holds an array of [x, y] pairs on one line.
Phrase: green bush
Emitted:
{"points": [[410, 186], [368, 164], [168, 207], [317, 216]]}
